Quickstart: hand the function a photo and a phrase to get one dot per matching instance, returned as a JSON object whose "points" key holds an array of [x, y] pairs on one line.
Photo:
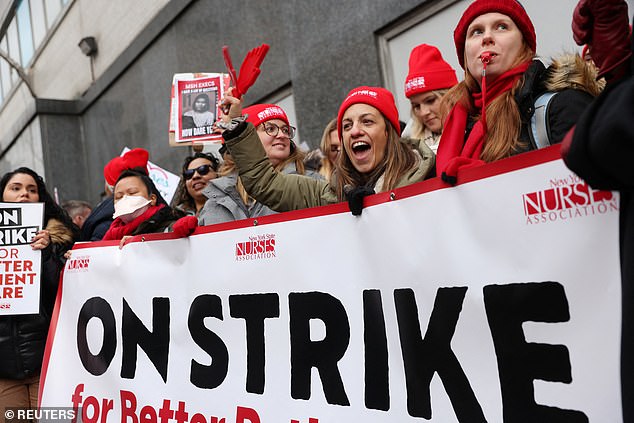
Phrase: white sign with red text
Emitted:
{"points": [[19, 263], [496, 300]]}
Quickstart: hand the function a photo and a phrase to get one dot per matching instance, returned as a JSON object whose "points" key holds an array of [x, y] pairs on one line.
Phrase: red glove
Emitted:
{"points": [[603, 25], [185, 226]]}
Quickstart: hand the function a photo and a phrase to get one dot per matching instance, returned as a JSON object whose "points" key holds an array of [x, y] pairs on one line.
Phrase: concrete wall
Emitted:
{"points": [[321, 49]]}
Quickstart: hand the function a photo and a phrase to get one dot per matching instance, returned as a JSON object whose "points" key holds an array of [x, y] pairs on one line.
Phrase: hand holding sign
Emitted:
{"points": [[41, 240]]}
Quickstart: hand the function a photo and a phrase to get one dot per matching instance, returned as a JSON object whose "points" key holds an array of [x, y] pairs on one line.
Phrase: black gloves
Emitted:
{"points": [[355, 198]]}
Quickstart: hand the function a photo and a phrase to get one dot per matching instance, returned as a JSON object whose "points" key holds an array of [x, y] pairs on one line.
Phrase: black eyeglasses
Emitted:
{"points": [[202, 171], [272, 130]]}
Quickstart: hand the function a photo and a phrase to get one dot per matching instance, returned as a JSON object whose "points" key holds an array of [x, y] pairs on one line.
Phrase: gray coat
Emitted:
{"points": [[225, 205]]}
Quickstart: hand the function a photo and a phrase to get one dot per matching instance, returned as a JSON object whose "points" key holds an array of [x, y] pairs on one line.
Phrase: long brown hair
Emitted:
{"points": [[399, 159], [503, 115]]}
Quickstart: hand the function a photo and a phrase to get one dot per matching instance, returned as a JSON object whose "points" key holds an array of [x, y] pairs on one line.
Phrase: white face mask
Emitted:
{"points": [[129, 207]]}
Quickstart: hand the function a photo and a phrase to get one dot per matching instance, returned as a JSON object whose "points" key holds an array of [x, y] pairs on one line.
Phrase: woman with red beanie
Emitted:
{"points": [[488, 116], [428, 80], [227, 199], [373, 159]]}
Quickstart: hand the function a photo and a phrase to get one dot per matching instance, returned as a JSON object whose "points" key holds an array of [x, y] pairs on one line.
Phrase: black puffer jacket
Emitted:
{"points": [[575, 86], [23, 337], [98, 222]]}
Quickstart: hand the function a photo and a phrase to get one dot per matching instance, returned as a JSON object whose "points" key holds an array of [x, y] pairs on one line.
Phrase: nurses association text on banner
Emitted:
{"points": [[497, 300]]}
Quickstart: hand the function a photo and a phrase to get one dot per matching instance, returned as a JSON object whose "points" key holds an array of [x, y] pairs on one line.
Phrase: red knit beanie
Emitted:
{"points": [[136, 157], [377, 97], [428, 71], [511, 8], [259, 113]]}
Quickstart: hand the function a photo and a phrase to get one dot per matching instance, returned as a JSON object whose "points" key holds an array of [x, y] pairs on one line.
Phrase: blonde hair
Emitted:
{"points": [[503, 116], [297, 156], [418, 129], [327, 167], [398, 160]]}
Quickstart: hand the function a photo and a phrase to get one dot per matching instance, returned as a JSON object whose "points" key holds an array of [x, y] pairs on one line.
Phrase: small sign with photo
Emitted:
{"points": [[195, 107]]}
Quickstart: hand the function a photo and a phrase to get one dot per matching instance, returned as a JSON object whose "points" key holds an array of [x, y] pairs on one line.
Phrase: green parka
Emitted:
{"points": [[282, 192]]}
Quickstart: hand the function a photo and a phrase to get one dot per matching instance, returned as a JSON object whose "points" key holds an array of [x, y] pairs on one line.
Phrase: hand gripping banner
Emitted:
{"points": [[496, 300]]}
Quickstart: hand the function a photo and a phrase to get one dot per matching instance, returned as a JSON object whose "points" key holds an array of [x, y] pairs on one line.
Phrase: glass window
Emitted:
{"points": [[38, 19], [23, 16], [5, 70], [14, 46], [53, 7]]}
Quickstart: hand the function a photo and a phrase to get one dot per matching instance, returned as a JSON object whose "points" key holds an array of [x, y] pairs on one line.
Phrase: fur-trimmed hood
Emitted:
{"points": [[59, 233], [568, 71], [571, 71]]}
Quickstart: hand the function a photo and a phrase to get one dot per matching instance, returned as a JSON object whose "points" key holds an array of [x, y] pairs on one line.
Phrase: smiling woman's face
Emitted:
{"points": [[364, 136], [197, 183], [277, 147]]}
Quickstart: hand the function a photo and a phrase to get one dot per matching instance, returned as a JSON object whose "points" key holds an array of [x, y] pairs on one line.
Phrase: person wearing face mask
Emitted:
{"points": [[99, 220], [23, 337], [429, 78], [139, 208], [227, 199], [373, 158], [508, 103]]}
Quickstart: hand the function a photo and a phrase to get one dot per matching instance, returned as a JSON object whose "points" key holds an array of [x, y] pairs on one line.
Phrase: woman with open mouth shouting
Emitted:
{"points": [[374, 157], [227, 199]]}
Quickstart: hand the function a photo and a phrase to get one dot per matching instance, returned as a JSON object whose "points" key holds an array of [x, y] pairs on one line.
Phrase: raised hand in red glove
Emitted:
{"points": [[603, 25], [185, 226]]}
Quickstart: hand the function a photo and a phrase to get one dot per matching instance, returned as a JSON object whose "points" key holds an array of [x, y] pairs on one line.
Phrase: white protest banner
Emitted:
{"points": [[19, 263], [496, 300], [166, 182]]}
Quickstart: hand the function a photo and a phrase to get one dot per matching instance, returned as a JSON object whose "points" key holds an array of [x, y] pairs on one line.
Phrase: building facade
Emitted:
{"points": [[65, 110]]}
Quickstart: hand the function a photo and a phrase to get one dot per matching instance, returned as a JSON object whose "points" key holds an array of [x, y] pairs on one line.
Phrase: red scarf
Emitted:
{"points": [[453, 152], [119, 229]]}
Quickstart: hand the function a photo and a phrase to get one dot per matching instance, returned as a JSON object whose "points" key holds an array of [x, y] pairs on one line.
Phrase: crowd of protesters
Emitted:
{"points": [[488, 116]]}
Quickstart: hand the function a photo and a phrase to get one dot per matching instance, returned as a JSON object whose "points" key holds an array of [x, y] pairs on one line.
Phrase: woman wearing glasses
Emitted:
{"points": [[198, 170], [227, 200], [373, 158]]}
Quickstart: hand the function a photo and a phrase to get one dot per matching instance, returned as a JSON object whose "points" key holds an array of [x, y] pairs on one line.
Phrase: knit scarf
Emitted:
{"points": [[453, 152], [119, 229]]}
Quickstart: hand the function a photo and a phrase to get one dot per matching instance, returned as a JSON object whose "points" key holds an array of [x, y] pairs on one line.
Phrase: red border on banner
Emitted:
{"points": [[465, 176], [468, 175], [52, 328]]}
